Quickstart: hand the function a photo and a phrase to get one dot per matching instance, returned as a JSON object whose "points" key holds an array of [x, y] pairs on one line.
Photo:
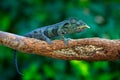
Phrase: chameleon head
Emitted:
{"points": [[77, 25]]}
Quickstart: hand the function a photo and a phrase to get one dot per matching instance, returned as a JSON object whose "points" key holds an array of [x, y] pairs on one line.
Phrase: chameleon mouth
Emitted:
{"points": [[83, 27]]}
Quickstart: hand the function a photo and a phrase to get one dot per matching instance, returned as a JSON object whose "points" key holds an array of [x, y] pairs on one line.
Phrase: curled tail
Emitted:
{"points": [[15, 62]]}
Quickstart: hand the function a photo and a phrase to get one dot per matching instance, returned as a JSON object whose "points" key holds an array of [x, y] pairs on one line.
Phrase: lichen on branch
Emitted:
{"points": [[90, 49]]}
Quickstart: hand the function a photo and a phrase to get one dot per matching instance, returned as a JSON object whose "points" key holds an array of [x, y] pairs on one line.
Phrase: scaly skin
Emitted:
{"points": [[60, 29]]}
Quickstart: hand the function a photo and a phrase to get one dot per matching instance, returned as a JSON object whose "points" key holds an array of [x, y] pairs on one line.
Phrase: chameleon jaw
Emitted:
{"points": [[83, 27], [87, 26]]}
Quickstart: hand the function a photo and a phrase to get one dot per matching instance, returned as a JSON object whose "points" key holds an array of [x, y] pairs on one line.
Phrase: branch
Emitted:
{"points": [[90, 49]]}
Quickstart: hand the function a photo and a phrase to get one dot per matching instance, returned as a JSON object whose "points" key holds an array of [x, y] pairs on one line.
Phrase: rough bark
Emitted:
{"points": [[90, 49]]}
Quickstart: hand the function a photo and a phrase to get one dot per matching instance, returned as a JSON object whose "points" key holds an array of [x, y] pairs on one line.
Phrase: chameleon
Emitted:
{"points": [[46, 33]]}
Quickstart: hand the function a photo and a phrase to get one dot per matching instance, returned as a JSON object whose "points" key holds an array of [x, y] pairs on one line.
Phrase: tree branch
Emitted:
{"points": [[90, 49]]}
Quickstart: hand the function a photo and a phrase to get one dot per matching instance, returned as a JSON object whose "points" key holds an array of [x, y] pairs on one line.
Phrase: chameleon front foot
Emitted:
{"points": [[66, 41], [48, 41]]}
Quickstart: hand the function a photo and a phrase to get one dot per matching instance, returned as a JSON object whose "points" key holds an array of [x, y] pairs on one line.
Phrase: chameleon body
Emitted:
{"points": [[60, 29]]}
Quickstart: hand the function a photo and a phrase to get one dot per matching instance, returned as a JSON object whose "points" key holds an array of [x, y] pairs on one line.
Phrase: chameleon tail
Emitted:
{"points": [[15, 62]]}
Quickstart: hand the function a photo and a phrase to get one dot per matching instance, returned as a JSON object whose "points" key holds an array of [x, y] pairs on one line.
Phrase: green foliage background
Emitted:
{"points": [[22, 16]]}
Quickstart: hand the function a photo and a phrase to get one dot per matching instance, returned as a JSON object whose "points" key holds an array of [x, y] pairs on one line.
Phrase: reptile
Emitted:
{"points": [[46, 33]]}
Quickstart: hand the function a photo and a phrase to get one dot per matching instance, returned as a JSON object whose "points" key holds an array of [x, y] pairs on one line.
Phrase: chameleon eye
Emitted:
{"points": [[73, 20], [78, 23]]}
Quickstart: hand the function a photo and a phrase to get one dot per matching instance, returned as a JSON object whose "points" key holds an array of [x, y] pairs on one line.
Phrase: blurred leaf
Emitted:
{"points": [[32, 73], [101, 65], [4, 22], [81, 67], [49, 71], [105, 76]]}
